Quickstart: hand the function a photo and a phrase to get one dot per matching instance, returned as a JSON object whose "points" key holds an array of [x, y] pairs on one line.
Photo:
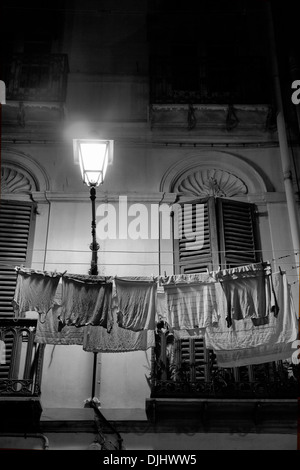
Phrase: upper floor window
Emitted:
{"points": [[208, 53]]}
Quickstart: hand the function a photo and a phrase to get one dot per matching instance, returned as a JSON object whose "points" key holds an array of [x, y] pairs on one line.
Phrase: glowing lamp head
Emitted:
{"points": [[93, 157]]}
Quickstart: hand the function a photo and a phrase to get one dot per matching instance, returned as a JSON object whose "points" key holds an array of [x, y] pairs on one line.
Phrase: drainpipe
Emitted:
{"points": [[282, 136]]}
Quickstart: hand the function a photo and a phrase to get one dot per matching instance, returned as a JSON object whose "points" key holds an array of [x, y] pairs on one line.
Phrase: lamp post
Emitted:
{"points": [[93, 156]]}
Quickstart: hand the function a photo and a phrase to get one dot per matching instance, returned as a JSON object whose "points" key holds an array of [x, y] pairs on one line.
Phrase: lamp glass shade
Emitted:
{"points": [[92, 156]]}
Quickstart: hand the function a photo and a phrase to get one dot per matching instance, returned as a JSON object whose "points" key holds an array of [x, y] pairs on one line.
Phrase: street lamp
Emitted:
{"points": [[93, 156]]}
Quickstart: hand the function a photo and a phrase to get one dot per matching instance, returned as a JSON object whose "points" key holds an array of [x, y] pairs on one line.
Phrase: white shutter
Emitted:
{"points": [[229, 239], [15, 243], [195, 249], [194, 356], [16, 230], [237, 232]]}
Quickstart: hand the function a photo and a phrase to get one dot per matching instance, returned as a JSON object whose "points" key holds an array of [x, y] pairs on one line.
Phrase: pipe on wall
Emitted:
{"points": [[282, 137]]}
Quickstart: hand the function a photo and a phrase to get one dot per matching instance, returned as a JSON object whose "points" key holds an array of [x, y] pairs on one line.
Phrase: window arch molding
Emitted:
{"points": [[21, 176], [226, 166]]}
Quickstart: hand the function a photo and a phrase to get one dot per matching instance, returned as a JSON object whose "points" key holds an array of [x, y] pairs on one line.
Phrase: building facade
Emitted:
{"points": [[192, 102]]}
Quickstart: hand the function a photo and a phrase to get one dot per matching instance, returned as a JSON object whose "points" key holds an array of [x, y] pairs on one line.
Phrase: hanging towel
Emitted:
{"points": [[49, 329], [136, 303], [247, 291], [244, 343], [35, 291], [97, 339], [86, 300], [258, 355], [191, 301]]}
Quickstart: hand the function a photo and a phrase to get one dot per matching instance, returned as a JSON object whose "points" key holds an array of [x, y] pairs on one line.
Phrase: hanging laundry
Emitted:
{"points": [[35, 291], [191, 301], [136, 302], [86, 300], [188, 334], [49, 328], [98, 339], [244, 343], [247, 290]]}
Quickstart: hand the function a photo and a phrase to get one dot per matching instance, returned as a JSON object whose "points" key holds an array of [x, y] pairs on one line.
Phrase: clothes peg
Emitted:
{"points": [[280, 270]]}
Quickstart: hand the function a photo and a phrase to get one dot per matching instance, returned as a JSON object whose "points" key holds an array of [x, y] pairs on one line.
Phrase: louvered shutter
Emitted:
{"points": [[229, 239], [195, 248], [16, 229], [237, 233], [16, 234], [193, 359]]}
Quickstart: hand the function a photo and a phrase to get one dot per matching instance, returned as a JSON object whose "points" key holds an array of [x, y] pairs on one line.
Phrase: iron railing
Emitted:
{"points": [[36, 77], [173, 376], [21, 359], [209, 81]]}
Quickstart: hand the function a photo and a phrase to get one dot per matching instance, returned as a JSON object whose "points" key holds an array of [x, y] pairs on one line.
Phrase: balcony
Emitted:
{"points": [[219, 80], [21, 363], [187, 388], [37, 77], [36, 87]]}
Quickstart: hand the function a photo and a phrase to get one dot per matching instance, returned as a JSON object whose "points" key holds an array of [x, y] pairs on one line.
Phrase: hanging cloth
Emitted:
{"points": [[49, 328], [191, 301], [86, 300], [247, 289], [98, 339], [136, 302], [244, 343], [35, 291]]}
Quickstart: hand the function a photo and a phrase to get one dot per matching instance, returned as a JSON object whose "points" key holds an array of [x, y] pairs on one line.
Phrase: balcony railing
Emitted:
{"points": [[21, 359], [186, 370], [208, 81], [36, 77]]}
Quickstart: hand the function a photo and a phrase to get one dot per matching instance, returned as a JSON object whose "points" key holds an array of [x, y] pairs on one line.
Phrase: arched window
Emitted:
{"points": [[17, 217], [17, 221], [216, 227]]}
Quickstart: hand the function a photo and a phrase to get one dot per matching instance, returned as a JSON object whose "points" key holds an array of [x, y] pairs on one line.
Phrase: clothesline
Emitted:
{"points": [[235, 309], [68, 263], [259, 266], [163, 251]]}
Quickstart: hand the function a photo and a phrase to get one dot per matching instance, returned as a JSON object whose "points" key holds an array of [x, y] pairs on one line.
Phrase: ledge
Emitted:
{"points": [[181, 415], [21, 414], [224, 415], [82, 420]]}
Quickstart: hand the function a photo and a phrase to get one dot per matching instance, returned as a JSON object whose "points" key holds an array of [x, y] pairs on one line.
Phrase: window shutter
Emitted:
{"points": [[16, 230], [237, 233], [229, 239], [193, 359], [195, 249], [15, 242]]}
